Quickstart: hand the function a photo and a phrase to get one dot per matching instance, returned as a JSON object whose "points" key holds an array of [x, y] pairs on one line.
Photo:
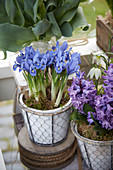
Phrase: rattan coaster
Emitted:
{"points": [[46, 157]]}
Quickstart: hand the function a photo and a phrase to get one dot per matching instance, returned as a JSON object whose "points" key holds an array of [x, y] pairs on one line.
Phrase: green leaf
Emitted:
{"points": [[74, 115], [51, 4], [41, 27], [13, 37], [79, 20], [42, 10], [87, 108], [28, 7], [11, 9], [2, 7], [19, 18], [54, 27], [67, 16], [4, 18], [96, 123], [83, 0], [66, 6], [5, 54], [35, 8], [49, 34], [39, 10], [100, 130], [66, 29]]}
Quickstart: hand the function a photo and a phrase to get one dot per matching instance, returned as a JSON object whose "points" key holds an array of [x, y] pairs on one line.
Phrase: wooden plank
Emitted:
{"points": [[2, 164], [103, 33]]}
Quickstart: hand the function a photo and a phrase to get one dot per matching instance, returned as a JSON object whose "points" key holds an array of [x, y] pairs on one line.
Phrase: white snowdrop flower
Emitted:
{"points": [[96, 59], [99, 60], [94, 72]]}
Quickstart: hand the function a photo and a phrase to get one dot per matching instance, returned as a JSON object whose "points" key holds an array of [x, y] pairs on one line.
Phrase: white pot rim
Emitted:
{"points": [[41, 112], [86, 140]]}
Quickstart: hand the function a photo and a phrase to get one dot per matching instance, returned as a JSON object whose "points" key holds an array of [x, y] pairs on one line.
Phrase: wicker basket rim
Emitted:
{"points": [[52, 112], [86, 140]]}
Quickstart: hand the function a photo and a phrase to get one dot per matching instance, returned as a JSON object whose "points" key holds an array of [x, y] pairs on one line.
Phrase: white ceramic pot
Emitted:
{"points": [[46, 127], [98, 155]]}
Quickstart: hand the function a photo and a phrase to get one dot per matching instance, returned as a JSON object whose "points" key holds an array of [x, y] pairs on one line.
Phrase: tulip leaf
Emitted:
{"points": [[41, 27], [2, 7], [11, 9], [19, 18], [39, 11], [68, 16], [35, 8], [51, 4], [4, 18], [13, 37], [5, 54], [66, 6], [54, 26], [28, 7], [66, 29], [23, 21], [79, 20], [83, 0]]}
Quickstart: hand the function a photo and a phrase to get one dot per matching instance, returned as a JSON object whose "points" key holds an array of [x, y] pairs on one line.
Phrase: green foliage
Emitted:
{"points": [[79, 117], [110, 4], [76, 116], [22, 22], [87, 108]]}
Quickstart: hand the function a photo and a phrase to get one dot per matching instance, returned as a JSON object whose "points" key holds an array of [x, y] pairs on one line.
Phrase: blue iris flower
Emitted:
{"points": [[43, 62], [30, 52], [32, 71], [72, 66], [15, 66], [26, 66], [38, 64], [58, 67]]}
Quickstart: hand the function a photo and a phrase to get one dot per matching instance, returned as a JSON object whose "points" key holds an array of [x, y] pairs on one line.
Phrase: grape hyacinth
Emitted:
{"points": [[108, 87], [83, 91], [104, 111]]}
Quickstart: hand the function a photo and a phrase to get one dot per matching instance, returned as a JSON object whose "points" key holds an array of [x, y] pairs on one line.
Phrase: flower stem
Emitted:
{"points": [[61, 90]]}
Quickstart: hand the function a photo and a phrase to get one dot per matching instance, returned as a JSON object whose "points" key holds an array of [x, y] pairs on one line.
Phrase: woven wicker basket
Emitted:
{"points": [[48, 127], [98, 155]]}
